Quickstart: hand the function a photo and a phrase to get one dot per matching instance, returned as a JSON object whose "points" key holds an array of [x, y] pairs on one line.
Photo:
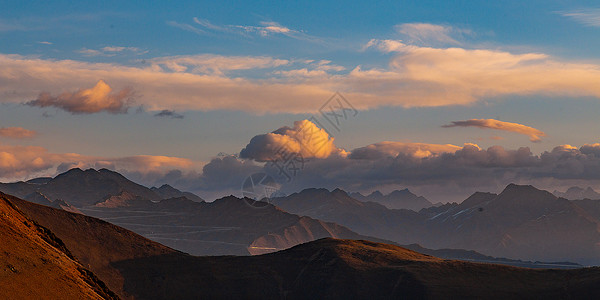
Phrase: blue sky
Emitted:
{"points": [[237, 69]]}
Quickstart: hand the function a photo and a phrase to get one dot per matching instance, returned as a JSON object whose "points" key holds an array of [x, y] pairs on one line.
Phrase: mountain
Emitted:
{"points": [[40, 198], [575, 193], [522, 222], [226, 226], [35, 264], [51, 253], [95, 244], [368, 218], [87, 188], [166, 191], [398, 199]]}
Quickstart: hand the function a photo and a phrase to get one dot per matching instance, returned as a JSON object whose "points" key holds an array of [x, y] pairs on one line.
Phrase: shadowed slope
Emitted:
{"points": [[35, 264], [95, 243]]}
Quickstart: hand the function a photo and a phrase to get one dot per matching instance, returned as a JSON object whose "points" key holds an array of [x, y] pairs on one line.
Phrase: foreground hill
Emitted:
{"points": [[35, 264], [135, 267]]}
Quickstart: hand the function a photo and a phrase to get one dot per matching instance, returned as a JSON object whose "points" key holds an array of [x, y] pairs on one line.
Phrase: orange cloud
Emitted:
{"points": [[305, 138], [87, 101], [415, 77], [17, 162], [17, 132], [533, 134]]}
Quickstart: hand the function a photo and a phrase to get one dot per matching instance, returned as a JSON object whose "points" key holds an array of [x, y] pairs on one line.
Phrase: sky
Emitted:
{"points": [[443, 97]]}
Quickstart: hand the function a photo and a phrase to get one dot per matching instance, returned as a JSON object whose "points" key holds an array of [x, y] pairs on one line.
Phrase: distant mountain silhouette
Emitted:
{"points": [[87, 188], [166, 191], [577, 193], [398, 199], [226, 226], [522, 222]]}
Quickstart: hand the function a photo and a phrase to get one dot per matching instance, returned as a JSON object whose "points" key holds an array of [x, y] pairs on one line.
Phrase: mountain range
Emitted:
{"points": [[577, 193], [52, 253], [522, 222], [398, 199]]}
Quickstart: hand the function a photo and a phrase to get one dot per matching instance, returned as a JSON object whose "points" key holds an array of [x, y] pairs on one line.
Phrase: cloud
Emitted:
{"points": [[533, 134], [425, 33], [17, 132], [169, 114], [587, 17], [87, 101], [415, 77], [305, 138], [186, 27], [18, 162], [215, 64], [265, 29], [393, 149], [45, 43], [109, 51]]}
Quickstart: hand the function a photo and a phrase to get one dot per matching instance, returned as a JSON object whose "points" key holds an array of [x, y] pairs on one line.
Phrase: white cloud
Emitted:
{"points": [[428, 34], [265, 29], [587, 17], [109, 51], [186, 27], [216, 64]]}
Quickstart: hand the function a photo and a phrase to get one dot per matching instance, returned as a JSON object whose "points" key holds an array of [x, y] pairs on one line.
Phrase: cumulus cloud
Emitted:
{"points": [[87, 101], [305, 138], [168, 114], [17, 132], [533, 134]]}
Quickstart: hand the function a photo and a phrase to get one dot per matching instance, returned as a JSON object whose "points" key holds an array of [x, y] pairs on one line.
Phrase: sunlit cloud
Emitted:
{"points": [[533, 134], [87, 101], [17, 133], [305, 138], [18, 162], [415, 77]]}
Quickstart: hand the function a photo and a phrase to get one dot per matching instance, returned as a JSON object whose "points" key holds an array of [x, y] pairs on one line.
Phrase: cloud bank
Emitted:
{"points": [[416, 76], [533, 134]]}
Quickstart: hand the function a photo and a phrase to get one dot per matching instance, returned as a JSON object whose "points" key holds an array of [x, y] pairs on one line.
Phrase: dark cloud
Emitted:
{"points": [[444, 175], [169, 114]]}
